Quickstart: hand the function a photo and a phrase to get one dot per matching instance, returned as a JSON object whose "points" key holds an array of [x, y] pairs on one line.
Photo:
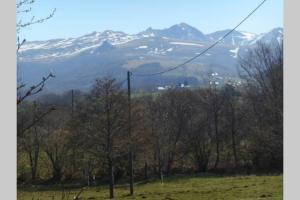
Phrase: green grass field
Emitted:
{"points": [[178, 188]]}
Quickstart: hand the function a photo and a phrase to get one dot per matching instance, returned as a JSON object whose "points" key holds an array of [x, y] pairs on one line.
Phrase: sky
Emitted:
{"points": [[75, 18]]}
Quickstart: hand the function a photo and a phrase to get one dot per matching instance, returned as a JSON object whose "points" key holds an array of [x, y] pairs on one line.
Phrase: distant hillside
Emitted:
{"points": [[76, 62]]}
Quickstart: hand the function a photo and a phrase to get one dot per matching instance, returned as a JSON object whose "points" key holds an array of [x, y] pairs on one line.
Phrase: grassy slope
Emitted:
{"points": [[190, 188]]}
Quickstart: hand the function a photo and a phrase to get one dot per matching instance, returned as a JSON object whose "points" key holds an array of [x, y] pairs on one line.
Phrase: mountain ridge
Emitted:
{"points": [[113, 52]]}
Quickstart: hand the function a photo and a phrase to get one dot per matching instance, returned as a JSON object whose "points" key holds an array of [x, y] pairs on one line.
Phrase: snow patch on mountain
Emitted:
{"points": [[142, 47], [248, 36], [235, 52], [279, 39], [157, 51]]}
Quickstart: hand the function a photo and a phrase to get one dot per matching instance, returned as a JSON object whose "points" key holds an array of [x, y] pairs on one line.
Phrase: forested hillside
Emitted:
{"points": [[82, 137]]}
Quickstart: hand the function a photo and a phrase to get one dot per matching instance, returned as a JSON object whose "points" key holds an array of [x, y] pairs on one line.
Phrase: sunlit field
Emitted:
{"points": [[176, 188]]}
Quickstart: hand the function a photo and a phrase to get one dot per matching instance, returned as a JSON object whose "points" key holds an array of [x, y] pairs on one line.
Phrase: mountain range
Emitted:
{"points": [[76, 62]]}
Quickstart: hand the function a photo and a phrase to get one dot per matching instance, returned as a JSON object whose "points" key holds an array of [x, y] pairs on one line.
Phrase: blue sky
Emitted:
{"points": [[76, 17]]}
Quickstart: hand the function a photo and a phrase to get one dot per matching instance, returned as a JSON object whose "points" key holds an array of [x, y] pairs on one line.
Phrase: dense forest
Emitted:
{"points": [[83, 137]]}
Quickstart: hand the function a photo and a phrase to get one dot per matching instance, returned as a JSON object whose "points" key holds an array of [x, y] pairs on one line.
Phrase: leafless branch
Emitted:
{"points": [[34, 21], [34, 89], [19, 44], [24, 11], [36, 120], [22, 85], [24, 2]]}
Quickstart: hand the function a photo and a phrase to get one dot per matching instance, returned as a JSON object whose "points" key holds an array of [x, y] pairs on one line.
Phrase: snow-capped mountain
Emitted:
{"points": [[235, 38], [72, 46], [78, 61], [275, 35], [180, 31]]}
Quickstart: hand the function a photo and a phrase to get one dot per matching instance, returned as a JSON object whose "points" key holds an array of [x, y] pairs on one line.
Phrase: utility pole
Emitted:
{"points": [[73, 164], [72, 99], [129, 134]]}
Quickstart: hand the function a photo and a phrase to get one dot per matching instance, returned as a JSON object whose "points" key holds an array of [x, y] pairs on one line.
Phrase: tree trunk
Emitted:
{"points": [[56, 174], [111, 179], [217, 142], [233, 133], [202, 165], [33, 171], [56, 167], [33, 174], [31, 166], [109, 149], [169, 164], [34, 156], [201, 161], [146, 171], [33, 163]]}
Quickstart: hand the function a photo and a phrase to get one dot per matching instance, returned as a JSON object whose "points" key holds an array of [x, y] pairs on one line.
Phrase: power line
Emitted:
{"points": [[205, 50]]}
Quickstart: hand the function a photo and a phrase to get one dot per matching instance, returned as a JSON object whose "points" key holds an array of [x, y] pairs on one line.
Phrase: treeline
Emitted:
{"points": [[84, 137]]}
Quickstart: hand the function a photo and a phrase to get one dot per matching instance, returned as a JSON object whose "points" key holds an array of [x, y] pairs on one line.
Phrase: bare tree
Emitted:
{"points": [[263, 73], [234, 119], [24, 10], [24, 124], [31, 143], [107, 113], [172, 112], [156, 115], [199, 136], [213, 100], [56, 142]]}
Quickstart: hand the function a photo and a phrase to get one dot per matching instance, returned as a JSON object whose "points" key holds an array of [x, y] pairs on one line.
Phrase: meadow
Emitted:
{"points": [[173, 188]]}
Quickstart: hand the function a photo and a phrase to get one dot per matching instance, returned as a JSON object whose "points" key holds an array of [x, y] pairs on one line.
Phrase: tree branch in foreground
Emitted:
{"points": [[33, 89], [39, 118]]}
